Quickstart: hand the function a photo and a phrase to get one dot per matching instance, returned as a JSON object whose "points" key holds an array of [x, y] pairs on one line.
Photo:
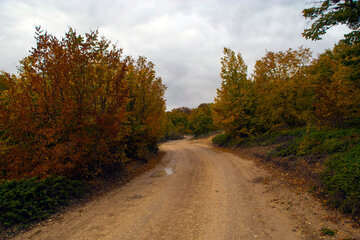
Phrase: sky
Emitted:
{"points": [[183, 38]]}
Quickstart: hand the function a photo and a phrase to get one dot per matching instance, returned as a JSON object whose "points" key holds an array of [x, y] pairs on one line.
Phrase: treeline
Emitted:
{"points": [[78, 108], [289, 89], [183, 120]]}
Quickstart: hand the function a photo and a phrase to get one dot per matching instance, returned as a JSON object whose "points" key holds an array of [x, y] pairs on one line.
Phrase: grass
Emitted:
{"points": [[327, 232], [27, 200], [320, 142], [341, 178]]}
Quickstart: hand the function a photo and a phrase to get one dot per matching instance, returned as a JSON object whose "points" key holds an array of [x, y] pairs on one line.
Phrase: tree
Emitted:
{"points": [[233, 107], [283, 96], [179, 118], [3, 82], [78, 108], [332, 12], [146, 118], [200, 120], [336, 86]]}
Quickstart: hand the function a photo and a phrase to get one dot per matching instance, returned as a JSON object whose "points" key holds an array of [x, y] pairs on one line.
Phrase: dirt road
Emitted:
{"points": [[197, 192]]}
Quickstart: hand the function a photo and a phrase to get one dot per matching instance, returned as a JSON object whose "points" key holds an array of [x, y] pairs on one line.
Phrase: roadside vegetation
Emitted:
{"points": [[186, 121], [27, 200], [306, 109], [77, 110]]}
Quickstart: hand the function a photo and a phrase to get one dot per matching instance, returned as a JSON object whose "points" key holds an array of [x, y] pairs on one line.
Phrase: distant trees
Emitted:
{"points": [[78, 108], [197, 121], [178, 122], [200, 120]]}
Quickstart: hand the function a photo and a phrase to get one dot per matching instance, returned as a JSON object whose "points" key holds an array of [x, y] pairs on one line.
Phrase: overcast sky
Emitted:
{"points": [[183, 38]]}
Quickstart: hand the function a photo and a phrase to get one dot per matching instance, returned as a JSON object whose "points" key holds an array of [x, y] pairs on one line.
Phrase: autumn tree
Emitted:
{"points": [[3, 82], [146, 108], [284, 97], [337, 87], [200, 120], [69, 111], [234, 105]]}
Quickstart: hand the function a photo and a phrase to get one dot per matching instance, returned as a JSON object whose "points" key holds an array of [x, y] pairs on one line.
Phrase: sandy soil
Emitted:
{"points": [[197, 192]]}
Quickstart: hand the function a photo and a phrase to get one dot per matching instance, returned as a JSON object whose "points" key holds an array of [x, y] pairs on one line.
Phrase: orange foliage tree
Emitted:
{"points": [[68, 111], [146, 119]]}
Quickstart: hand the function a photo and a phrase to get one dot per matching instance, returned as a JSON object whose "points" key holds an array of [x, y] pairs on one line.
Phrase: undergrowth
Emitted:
{"points": [[27, 200], [221, 140]]}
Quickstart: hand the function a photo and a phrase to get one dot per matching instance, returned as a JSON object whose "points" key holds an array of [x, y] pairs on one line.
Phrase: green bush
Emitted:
{"points": [[320, 142], [275, 137], [26, 200], [342, 180], [327, 232], [221, 139]]}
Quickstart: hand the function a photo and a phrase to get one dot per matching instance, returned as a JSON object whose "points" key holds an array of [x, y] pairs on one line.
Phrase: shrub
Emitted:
{"points": [[342, 181], [320, 142], [26, 200], [327, 232], [221, 139]]}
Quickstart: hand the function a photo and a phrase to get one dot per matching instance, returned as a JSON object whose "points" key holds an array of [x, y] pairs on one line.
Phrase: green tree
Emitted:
{"points": [[234, 106], [200, 120], [4, 85], [328, 13], [180, 120], [146, 119]]}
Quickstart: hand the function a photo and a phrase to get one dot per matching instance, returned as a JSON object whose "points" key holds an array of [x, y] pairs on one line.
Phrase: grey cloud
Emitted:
{"points": [[183, 38]]}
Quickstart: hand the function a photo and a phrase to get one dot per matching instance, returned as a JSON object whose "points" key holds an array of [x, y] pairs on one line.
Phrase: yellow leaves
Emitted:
{"points": [[337, 94], [280, 86], [234, 97]]}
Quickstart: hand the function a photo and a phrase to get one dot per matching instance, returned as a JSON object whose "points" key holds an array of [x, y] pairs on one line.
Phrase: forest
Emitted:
{"points": [[79, 109]]}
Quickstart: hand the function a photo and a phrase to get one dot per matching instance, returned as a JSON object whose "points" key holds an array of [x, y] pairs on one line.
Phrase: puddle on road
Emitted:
{"points": [[169, 171], [163, 172]]}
